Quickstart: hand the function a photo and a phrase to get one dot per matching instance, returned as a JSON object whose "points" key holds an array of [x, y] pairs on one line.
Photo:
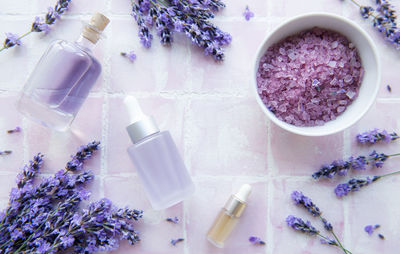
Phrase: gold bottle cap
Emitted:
{"points": [[96, 25]]}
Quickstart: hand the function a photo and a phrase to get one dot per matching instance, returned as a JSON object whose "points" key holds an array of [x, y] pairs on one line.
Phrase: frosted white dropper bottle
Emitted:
{"points": [[157, 160]]}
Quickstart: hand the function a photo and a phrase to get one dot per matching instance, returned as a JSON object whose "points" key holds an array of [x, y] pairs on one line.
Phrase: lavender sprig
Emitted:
{"points": [[375, 135], [183, 16], [47, 218], [39, 25], [300, 199], [384, 20], [356, 184], [305, 227], [341, 168]]}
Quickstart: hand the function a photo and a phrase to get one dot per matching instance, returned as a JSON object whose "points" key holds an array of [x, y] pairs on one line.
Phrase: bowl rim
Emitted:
{"points": [[298, 129]]}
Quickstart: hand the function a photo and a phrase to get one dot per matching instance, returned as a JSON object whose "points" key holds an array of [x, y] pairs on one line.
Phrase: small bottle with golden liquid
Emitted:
{"points": [[228, 217]]}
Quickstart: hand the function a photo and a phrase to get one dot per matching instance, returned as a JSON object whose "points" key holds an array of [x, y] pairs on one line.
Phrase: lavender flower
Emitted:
{"points": [[375, 135], [11, 40], [16, 129], [46, 218], [131, 56], [353, 185], [356, 184], [247, 14], [384, 20], [341, 168], [175, 241], [306, 202], [188, 17], [174, 220], [329, 241], [299, 225], [389, 88], [370, 229], [256, 240], [381, 236], [5, 152], [40, 24]]}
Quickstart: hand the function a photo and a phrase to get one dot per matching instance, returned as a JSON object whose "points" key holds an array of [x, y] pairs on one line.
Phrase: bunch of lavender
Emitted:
{"points": [[190, 17], [375, 135], [341, 168], [384, 20], [46, 218], [356, 184], [300, 199], [39, 25]]}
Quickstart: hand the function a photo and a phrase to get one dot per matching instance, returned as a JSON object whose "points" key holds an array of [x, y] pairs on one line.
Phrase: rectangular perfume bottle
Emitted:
{"points": [[62, 79], [157, 161]]}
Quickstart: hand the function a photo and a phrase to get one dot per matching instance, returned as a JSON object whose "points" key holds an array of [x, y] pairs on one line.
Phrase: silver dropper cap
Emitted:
{"points": [[142, 126], [142, 129]]}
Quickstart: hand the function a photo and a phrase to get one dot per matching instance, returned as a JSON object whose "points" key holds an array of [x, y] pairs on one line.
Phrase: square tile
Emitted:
{"points": [[227, 137]]}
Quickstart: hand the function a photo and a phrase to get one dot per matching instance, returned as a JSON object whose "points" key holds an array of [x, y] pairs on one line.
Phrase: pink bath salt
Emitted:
{"points": [[310, 78]]}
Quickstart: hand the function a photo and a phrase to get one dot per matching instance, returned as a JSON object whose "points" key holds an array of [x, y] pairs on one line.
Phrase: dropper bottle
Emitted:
{"points": [[228, 217], [156, 159]]}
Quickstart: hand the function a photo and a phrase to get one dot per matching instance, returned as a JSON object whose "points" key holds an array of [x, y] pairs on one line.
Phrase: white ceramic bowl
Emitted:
{"points": [[369, 59]]}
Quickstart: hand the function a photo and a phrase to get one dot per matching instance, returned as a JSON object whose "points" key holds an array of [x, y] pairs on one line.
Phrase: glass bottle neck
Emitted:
{"points": [[85, 43]]}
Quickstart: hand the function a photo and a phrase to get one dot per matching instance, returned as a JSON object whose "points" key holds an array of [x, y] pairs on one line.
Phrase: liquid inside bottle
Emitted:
{"points": [[62, 80]]}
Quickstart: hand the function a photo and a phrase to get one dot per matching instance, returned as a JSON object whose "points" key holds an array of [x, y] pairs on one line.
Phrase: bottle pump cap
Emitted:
{"points": [[142, 126], [96, 26]]}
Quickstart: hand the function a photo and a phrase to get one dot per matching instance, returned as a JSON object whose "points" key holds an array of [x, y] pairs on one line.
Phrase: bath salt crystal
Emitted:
{"points": [[351, 94], [292, 56], [312, 77], [332, 64]]}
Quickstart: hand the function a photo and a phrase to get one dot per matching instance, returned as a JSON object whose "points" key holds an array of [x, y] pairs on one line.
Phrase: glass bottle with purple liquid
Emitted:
{"points": [[61, 81]]}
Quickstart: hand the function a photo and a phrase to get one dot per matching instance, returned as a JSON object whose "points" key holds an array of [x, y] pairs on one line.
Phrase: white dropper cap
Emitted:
{"points": [[244, 192], [141, 125], [134, 111]]}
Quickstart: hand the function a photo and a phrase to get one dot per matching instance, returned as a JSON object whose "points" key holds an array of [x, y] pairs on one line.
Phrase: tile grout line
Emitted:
{"points": [[346, 214], [104, 120]]}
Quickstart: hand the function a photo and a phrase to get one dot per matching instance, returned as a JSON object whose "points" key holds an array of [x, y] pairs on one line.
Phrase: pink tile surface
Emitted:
{"points": [[222, 135]]}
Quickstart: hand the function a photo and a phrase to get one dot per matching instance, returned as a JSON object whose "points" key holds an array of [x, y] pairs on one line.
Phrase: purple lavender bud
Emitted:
{"points": [[369, 229], [375, 135], [306, 202], [5, 152], [299, 225], [354, 185], [11, 40], [329, 242], [256, 240], [174, 220], [378, 158], [366, 11], [131, 56], [389, 88], [175, 241], [16, 129], [247, 14], [381, 236]]}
